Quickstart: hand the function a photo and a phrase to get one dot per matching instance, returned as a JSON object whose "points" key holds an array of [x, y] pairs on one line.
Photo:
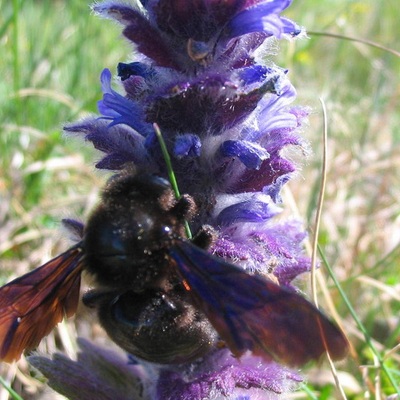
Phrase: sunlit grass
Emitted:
{"points": [[360, 221], [52, 56]]}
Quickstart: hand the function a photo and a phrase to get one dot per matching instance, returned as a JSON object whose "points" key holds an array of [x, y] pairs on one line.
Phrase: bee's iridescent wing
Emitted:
{"points": [[252, 313], [30, 306]]}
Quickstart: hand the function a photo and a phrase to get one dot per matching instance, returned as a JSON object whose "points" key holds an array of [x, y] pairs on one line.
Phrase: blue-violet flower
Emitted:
{"points": [[226, 118]]}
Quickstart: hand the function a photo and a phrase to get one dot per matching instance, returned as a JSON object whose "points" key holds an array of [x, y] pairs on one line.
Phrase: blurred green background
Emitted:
{"points": [[52, 54]]}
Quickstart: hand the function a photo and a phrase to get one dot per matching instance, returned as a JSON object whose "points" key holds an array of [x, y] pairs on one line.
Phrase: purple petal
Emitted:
{"points": [[250, 154], [139, 30], [286, 272], [274, 112], [114, 162], [258, 208], [238, 52], [75, 228], [125, 71], [187, 146], [275, 188], [268, 174], [255, 73], [120, 143], [291, 28], [262, 17], [120, 109]]}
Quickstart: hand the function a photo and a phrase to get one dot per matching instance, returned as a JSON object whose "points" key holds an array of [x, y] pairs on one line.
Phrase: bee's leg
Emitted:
{"points": [[205, 237], [185, 208]]}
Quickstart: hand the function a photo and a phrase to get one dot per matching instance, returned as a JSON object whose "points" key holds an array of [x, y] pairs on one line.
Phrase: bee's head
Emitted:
{"points": [[128, 234]]}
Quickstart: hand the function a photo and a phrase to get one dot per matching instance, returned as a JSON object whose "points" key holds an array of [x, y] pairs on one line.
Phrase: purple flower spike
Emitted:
{"points": [[226, 119]]}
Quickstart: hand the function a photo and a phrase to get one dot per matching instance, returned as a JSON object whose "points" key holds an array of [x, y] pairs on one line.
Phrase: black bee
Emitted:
{"points": [[160, 296], [141, 300]]}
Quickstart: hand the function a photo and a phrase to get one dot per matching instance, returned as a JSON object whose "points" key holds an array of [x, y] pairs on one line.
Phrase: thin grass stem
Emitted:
{"points": [[171, 174], [14, 395], [360, 325]]}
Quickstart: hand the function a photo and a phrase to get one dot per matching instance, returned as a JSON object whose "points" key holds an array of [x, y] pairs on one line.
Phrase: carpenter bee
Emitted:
{"points": [[158, 295]]}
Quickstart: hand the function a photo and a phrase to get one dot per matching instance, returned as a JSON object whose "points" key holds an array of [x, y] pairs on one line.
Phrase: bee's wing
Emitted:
{"points": [[30, 306], [252, 313]]}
